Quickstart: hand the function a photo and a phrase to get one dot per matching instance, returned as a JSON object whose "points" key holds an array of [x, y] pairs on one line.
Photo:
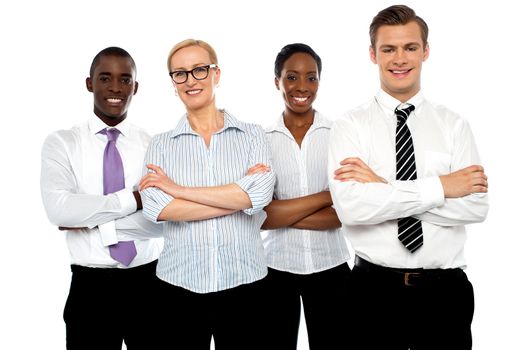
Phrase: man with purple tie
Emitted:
{"points": [[89, 188]]}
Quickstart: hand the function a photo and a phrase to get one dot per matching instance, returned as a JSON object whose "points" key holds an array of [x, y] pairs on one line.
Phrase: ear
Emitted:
{"points": [[426, 52], [136, 87], [89, 84], [218, 75], [372, 54], [276, 82]]}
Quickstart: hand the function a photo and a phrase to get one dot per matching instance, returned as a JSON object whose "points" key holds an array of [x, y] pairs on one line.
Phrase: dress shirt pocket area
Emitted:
{"points": [[437, 163]]}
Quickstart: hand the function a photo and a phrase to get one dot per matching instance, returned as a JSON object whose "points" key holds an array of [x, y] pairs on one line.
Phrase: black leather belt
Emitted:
{"points": [[408, 277]]}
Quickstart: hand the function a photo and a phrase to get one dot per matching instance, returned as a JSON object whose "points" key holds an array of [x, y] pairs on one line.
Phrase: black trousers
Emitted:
{"points": [[108, 306], [323, 298], [234, 317], [391, 310]]}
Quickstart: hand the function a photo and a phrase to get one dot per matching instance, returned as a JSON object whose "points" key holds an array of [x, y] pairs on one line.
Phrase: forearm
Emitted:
{"points": [[374, 203], [137, 227], [323, 219], [183, 210], [458, 211], [84, 210], [230, 197], [286, 212]]}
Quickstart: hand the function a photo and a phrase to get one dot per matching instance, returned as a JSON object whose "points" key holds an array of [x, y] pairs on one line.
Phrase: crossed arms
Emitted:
{"points": [[362, 197], [166, 200], [69, 209], [198, 203]]}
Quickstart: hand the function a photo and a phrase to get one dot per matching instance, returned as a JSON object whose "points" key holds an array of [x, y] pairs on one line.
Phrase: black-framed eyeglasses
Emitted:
{"points": [[199, 73]]}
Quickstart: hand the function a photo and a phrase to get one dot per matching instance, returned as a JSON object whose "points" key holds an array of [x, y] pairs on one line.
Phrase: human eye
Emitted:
{"points": [[104, 78], [179, 74], [200, 70], [292, 77], [126, 81], [412, 48], [313, 78], [387, 50]]}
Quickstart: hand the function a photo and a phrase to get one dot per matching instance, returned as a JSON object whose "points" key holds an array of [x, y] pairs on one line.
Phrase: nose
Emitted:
{"points": [[115, 85], [301, 85], [190, 80], [400, 57]]}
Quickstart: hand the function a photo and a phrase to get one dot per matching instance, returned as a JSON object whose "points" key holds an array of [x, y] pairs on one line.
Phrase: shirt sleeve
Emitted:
{"points": [[469, 209], [373, 203], [63, 203], [259, 187], [154, 200], [136, 226]]}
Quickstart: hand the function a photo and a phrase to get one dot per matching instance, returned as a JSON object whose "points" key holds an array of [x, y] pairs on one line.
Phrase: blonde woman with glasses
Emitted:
{"points": [[208, 180]]}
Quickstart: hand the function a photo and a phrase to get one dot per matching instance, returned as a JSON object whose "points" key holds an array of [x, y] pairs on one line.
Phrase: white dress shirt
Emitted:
{"points": [[301, 172], [211, 255], [443, 144], [72, 192]]}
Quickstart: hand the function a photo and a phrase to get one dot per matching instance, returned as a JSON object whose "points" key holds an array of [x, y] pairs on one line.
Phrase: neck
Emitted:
{"points": [[208, 119], [294, 120], [110, 121], [402, 96]]}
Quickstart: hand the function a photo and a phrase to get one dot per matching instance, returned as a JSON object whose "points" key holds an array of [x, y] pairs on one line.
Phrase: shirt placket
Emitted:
{"points": [[212, 223], [304, 191]]}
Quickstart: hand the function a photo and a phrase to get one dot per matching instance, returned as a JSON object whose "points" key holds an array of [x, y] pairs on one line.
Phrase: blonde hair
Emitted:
{"points": [[193, 42]]}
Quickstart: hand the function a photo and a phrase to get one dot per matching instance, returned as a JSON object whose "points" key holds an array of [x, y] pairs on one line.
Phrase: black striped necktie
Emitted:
{"points": [[409, 229]]}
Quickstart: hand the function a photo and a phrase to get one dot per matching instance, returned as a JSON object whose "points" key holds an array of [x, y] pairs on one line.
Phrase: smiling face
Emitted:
{"points": [[195, 94], [298, 82], [399, 53], [113, 86]]}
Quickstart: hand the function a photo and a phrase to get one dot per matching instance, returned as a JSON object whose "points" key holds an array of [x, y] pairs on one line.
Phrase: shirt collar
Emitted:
{"points": [[183, 126], [319, 122], [389, 103], [96, 125]]}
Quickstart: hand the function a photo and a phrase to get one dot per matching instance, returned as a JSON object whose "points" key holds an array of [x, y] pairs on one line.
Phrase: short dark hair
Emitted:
{"points": [[291, 49], [110, 51], [396, 15]]}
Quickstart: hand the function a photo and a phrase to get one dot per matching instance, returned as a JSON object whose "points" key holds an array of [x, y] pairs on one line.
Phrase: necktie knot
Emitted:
{"points": [[111, 134], [403, 114]]}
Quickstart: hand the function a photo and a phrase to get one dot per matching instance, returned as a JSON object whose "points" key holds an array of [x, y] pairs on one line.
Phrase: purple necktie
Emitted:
{"points": [[113, 177]]}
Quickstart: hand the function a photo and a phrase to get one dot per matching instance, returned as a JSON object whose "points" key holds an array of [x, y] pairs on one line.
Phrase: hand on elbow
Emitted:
{"points": [[354, 169], [158, 179], [259, 168], [463, 182]]}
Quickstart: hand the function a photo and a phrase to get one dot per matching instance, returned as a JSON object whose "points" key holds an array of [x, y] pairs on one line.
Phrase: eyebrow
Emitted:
{"points": [[414, 43], [295, 71], [122, 75], [194, 66]]}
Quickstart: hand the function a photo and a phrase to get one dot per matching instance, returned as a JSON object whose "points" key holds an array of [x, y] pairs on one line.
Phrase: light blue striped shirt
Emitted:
{"points": [[219, 253], [300, 172]]}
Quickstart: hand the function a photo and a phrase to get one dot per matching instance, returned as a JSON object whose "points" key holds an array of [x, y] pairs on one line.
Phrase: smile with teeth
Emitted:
{"points": [[193, 92], [400, 71], [300, 99], [114, 100]]}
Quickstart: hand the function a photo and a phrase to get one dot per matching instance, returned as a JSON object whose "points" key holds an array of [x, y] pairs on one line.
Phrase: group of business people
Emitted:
{"points": [[165, 234]]}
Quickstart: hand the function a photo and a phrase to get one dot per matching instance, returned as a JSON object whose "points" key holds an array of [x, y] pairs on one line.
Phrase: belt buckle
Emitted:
{"points": [[408, 276]]}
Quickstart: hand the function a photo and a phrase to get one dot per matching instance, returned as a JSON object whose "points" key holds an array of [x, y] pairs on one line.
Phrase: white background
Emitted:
{"points": [[476, 67]]}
